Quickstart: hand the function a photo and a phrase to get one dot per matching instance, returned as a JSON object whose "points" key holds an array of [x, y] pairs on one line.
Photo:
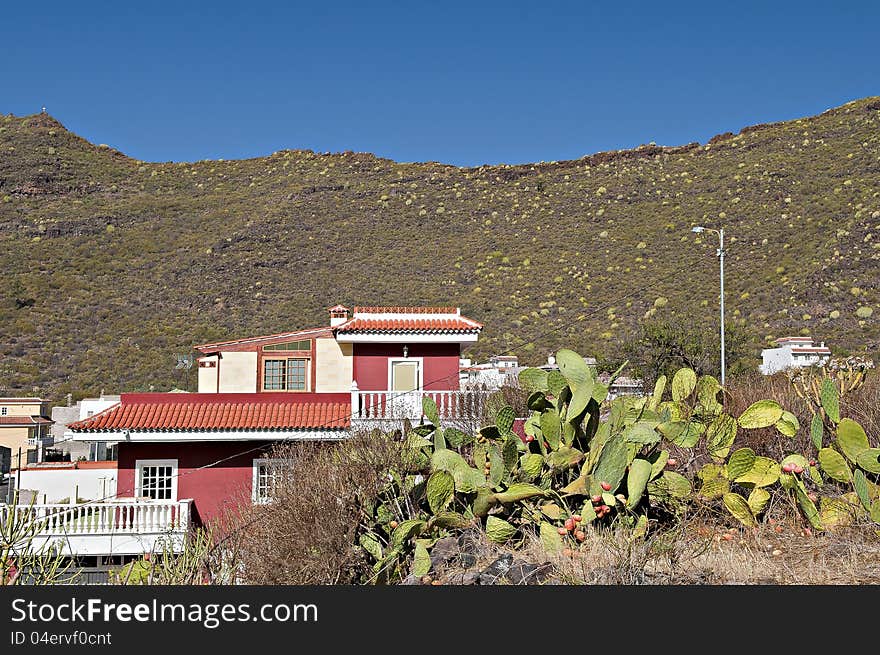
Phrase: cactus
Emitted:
{"points": [[637, 481], [834, 465], [761, 414], [739, 507], [683, 383], [816, 431], [788, 424], [830, 398]]}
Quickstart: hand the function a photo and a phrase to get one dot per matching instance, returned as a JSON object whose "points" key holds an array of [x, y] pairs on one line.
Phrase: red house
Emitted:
{"points": [[185, 457]]}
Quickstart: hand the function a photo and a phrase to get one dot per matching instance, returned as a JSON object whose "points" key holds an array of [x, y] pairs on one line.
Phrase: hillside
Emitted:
{"points": [[112, 265]]}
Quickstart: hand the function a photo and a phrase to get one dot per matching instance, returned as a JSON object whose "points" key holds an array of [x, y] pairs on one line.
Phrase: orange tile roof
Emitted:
{"points": [[405, 310], [228, 415], [419, 325], [24, 420]]}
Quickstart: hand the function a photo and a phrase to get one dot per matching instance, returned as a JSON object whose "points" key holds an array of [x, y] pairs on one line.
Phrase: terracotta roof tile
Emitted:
{"points": [[226, 415], [24, 420], [423, 325]]}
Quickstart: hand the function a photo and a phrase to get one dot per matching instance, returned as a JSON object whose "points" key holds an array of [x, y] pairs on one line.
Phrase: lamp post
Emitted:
{"points": [[720, 253]]}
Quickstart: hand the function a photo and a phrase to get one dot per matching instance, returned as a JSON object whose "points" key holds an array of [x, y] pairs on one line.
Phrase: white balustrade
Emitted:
{"points": [[124, 517], [397, 405]]}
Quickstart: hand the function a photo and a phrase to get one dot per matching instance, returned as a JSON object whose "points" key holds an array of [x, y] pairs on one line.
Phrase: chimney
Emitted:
{"points": [[338, 315]]}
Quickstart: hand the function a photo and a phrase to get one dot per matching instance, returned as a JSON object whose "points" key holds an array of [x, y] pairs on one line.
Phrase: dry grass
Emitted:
{"points": [[700, 552]]}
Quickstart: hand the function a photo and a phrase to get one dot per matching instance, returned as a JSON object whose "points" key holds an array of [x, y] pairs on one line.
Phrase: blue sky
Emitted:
{"points": [[465, 83]]}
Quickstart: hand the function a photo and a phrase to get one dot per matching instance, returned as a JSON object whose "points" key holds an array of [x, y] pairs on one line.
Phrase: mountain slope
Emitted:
{"points": [[112, 265]]}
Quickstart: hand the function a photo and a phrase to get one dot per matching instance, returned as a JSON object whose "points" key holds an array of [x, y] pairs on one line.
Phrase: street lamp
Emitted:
{"points": [[720, 253]]}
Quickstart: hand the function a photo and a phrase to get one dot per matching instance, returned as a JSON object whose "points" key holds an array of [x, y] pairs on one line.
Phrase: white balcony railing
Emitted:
{"points": [[123, 527], [452, 406]]}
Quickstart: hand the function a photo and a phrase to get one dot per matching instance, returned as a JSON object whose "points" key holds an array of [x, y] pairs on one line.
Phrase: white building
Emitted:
{"points": [[83, 409], [793, 352], [499, 371]]}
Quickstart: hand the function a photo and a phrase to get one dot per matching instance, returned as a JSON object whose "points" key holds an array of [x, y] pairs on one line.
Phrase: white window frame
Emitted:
{"points": [[255, 486], [419, 360], [139, 466]]}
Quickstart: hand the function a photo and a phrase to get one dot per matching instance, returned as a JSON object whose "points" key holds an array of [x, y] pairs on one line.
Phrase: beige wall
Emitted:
{"points": [[15, 438], [208, 376], [238, 372], [24, 409], [334, 366]]}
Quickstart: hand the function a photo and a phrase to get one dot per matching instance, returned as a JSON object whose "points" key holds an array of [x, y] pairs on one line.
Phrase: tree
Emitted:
{"points": [[662, 346]]}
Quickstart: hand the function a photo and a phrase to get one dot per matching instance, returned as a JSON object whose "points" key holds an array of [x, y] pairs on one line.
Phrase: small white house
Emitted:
{"points": [[793, 352], [499, 371]]}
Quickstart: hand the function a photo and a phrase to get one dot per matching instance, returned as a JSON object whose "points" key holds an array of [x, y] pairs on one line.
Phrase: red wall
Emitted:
{"points": [[440, 364], [212, 489]]}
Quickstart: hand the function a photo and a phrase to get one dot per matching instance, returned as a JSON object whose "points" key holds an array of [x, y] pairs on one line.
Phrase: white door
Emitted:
{"points": [[405, 383]]}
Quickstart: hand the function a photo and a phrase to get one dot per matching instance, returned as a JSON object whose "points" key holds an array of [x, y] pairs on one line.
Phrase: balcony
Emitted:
{"points": [[387, 409], [117, 528]]}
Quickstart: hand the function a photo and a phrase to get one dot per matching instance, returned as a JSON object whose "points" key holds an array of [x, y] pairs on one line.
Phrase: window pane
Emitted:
{"points": [[273, 374], [290, 345], [296, 374]]}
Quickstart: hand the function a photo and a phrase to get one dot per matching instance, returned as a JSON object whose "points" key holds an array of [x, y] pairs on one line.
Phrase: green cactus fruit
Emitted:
{"points": [[869, 459], [641, 433], [739, 508], [830, 400], [429, 409], [498, 530], [550, 538], [852, 439], [574, 368], [440, 490], [637, 481], [816, 430], [421, 561], [504, 419], [609, 498], [519, 491], [740, 463], [815, 475], [406, 530], [757, 500], [551, 429], [761, 414], [457, 438], [834, 465], [860, 484], [533, 379], [657, 396], [683, 384], [788, 424], [556, 383], [763, 473]]}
